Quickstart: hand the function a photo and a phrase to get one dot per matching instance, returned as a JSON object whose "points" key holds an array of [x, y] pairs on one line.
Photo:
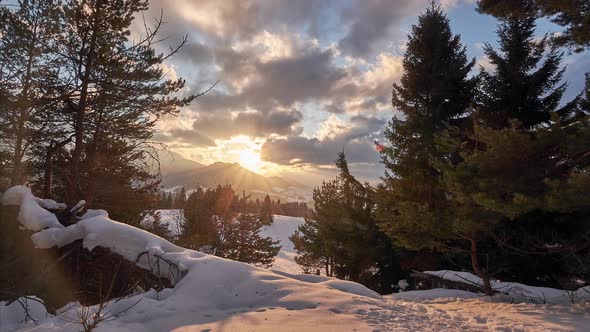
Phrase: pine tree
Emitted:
{"points": [[521, 87], [341, 236], [28, 74], [583, 102], [113, 89], [573, 15], [435, 90], [199, 230], [538, 179], [180, 200], [240, 240]]}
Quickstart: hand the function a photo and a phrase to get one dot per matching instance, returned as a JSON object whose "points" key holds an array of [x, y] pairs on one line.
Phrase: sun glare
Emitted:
{"points": [[250, 160]]}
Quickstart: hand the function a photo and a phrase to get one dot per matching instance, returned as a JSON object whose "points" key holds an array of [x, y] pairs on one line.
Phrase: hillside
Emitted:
{"points": [[181, 172]]}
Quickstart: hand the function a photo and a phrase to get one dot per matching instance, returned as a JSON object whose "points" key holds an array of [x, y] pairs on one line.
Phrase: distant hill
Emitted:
{"points": [[173, 163], [181, 172]]}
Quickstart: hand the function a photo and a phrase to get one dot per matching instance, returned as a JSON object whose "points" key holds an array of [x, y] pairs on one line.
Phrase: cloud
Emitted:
{"points": [[276, 62], [372, 23], [354, 137], [224, 125]]}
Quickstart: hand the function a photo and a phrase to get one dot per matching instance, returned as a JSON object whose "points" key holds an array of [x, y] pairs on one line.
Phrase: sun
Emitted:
{"points": [[251, 160]]}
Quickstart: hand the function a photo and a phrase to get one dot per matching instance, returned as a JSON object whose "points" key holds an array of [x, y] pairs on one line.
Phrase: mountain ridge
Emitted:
{"points": [[182, 172]]}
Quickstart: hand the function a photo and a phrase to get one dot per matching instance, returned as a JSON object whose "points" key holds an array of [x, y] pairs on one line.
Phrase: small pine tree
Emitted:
{"points": [[266, 211], [239, 239], [341, 236]]}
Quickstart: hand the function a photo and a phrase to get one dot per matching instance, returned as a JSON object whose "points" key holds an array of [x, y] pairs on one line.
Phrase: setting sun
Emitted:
{"points": [[250, 160]]}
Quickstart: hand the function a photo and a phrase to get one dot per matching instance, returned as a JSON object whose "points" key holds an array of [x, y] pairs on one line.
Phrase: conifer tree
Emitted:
{"points": [[341, 237], [435, 90], [199, 230], [525, 83], [573, 15], [113, 89], [521, 175], [28, 74], [239, 239], [266, 211]]}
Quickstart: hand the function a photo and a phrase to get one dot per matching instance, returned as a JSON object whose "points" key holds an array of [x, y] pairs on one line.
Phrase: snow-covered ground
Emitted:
{"points": [[173, 219], [281, 229], [215, 294]]}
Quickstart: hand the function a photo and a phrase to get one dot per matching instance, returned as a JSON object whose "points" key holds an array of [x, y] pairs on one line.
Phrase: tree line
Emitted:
{"points": [[178, 200], [487, 172]]}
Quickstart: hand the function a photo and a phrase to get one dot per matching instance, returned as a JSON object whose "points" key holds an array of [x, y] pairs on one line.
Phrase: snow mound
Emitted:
{"points": [[212, 286], [31, 215]]}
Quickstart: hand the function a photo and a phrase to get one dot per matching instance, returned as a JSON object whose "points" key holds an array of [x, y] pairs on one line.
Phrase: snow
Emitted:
{"points": [[12, 316], [215, 294], [520, 292], [172, 218], [31, 215], [281, 229]]}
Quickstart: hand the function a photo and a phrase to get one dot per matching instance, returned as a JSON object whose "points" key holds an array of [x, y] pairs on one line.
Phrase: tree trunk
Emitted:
{"points": [[22, 116], [75, 189], [48, 175], [487, 286]]}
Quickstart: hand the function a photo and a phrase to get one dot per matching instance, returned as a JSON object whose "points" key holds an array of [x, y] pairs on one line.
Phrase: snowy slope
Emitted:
{"points": [[214, 294], [281, 229]]}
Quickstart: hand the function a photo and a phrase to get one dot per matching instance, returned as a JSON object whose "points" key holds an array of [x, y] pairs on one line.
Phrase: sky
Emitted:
{"points": [[300, 81]]}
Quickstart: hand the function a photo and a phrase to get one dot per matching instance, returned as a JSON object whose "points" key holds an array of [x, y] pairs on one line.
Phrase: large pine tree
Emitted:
{"points": [[113, 91], [525, 84], [435, 90]]}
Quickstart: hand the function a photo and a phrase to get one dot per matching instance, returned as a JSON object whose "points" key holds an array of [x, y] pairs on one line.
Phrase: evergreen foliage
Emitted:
{"points": [[435, 90], [521, 86], [217, 223], [342, 237], [573, 15]]}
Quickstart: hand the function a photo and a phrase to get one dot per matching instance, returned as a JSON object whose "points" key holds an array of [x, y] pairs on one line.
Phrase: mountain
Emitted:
{"points": [[173, 163], [181, 172]]}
